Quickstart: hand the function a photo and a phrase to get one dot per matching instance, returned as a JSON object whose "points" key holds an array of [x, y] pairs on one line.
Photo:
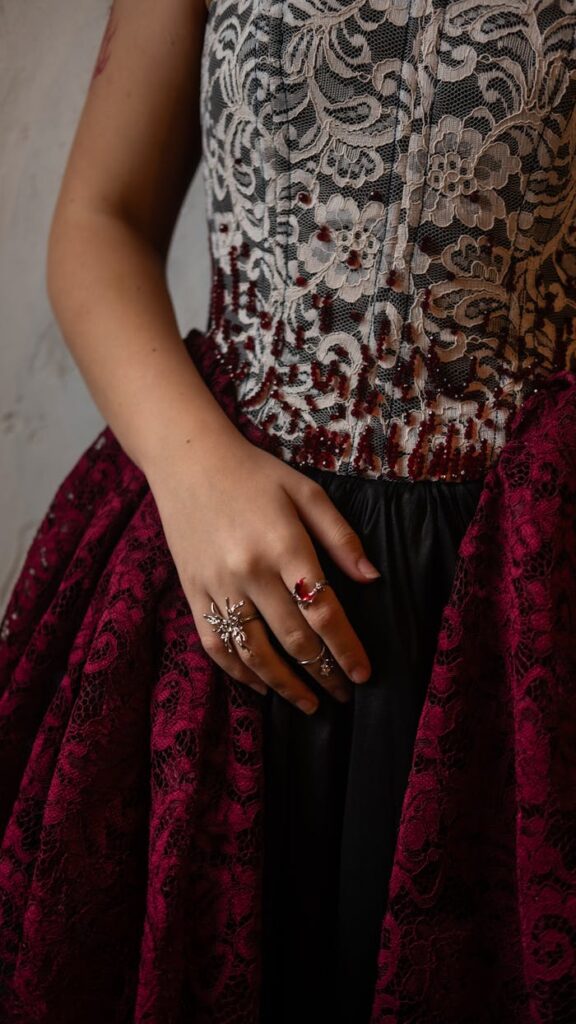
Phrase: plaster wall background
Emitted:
{"points": [[47, 417]]}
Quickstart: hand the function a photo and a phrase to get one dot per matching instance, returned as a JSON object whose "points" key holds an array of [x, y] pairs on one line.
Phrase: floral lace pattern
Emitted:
{"points": [[131, 767], [132, 771], [481, 922], [391, 202]]}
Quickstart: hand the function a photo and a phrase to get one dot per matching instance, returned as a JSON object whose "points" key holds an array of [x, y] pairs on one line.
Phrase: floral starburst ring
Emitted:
{"points": [[229, 627]]}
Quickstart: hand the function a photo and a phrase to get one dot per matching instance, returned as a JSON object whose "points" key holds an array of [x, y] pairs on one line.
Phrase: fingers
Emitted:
{"points": [[301, 630], [327, 618], [255, 663], [214, 646], [298, 560], [297, 637], [319, 513]]}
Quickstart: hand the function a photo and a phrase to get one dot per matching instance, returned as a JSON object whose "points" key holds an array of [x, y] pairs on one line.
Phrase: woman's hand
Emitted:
{"points": [[235, 521]]}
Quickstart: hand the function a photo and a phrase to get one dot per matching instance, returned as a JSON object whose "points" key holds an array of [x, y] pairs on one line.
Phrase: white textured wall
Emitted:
{"points": [[47, 417]]}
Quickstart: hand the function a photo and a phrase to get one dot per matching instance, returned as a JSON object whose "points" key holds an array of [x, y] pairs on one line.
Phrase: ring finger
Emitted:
{"points": [[257, 656], [297, 636]]}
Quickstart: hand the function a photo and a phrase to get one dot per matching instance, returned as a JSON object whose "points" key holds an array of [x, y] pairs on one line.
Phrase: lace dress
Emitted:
{"points": [[390, 188], [391, 204], [390, 201]]}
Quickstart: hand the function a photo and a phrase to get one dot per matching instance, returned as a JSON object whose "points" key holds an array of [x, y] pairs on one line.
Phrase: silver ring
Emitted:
{"points": [[305, 597], [230, 626], [326, 661]]}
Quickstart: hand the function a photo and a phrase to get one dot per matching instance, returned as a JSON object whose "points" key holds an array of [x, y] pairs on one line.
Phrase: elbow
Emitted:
{"points": [[53, 259], [66, 241]]}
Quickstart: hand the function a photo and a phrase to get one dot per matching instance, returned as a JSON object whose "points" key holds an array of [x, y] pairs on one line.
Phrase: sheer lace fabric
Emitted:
{"points": [[391, 196]]}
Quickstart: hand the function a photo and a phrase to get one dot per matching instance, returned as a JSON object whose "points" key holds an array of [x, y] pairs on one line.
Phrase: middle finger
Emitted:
{"points": [[296, 635], [328, 619]]}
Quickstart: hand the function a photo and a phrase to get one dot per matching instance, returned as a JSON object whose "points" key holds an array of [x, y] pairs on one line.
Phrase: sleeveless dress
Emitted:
{"points": [[390, 203], [390, 198]]}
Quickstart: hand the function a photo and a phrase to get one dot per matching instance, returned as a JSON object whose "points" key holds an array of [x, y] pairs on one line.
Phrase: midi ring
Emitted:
{"points": [[326, 661], [305, 597], [230, 626]]}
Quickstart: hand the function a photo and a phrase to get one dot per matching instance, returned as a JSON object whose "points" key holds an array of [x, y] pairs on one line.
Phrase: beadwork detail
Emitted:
{"points": [[393, 264]]}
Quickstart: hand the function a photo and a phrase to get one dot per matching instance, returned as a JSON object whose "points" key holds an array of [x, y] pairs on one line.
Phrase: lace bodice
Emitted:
{"points": [[391, 204]]}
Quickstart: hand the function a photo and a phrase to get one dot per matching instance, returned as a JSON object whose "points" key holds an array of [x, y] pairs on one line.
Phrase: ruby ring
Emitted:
{"points": [[304, 597]]}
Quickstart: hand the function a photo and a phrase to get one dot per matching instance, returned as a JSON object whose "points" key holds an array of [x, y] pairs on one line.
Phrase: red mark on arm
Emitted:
{"points": [[104, 52]]}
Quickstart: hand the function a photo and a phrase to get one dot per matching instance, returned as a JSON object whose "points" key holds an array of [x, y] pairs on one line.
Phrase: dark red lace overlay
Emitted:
{"points": [[132, 783], [481, 923], [131, 775]]}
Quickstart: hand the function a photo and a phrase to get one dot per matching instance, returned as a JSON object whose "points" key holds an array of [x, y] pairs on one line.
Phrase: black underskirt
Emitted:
{"points": [[335, 780]]}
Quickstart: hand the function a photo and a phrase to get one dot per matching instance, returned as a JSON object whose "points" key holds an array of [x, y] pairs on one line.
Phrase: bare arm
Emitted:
{"points": [[136, 149], [135, 152]]}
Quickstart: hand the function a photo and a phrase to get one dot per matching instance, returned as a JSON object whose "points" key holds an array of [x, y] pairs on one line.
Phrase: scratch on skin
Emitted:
{"points": [[104, 51]]}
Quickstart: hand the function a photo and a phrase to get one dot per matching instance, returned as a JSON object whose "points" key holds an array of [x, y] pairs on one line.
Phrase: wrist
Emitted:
{"points": [[199, 445]]}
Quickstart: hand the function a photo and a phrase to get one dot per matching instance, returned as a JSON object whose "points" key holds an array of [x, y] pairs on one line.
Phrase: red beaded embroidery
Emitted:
{"points": [[361, 424], [388, 286]]}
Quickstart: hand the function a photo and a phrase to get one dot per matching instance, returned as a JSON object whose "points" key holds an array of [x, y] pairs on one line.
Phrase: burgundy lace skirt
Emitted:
{"points": [[145, 795], [148, 801], [335, 780]]}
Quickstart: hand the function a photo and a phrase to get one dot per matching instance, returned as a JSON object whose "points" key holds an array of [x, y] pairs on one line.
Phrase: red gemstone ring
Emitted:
{"points": [[304, 597]]}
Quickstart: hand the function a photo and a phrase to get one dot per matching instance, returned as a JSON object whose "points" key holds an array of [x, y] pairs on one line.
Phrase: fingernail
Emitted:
{"points": [[367, 569], [342, 695], [360, 675], [307, 705]]}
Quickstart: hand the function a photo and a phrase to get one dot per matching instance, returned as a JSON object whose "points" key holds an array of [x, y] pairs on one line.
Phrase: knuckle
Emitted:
{"points": [[344, 534], [325, 616], [280, 688], [284, 548], [297, 642], [312, 492], [189, 579], [246, 562], [251, 656], [238, 675], [212, 644], [249, 679], [286, 691]]}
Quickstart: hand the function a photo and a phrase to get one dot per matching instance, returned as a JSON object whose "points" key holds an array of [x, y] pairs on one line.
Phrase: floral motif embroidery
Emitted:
{"points": [[391, 201], [344, 250], [460, 186]]}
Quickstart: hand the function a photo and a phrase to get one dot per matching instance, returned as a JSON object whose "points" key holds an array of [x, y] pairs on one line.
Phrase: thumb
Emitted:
{"points": [[333, 530]]}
